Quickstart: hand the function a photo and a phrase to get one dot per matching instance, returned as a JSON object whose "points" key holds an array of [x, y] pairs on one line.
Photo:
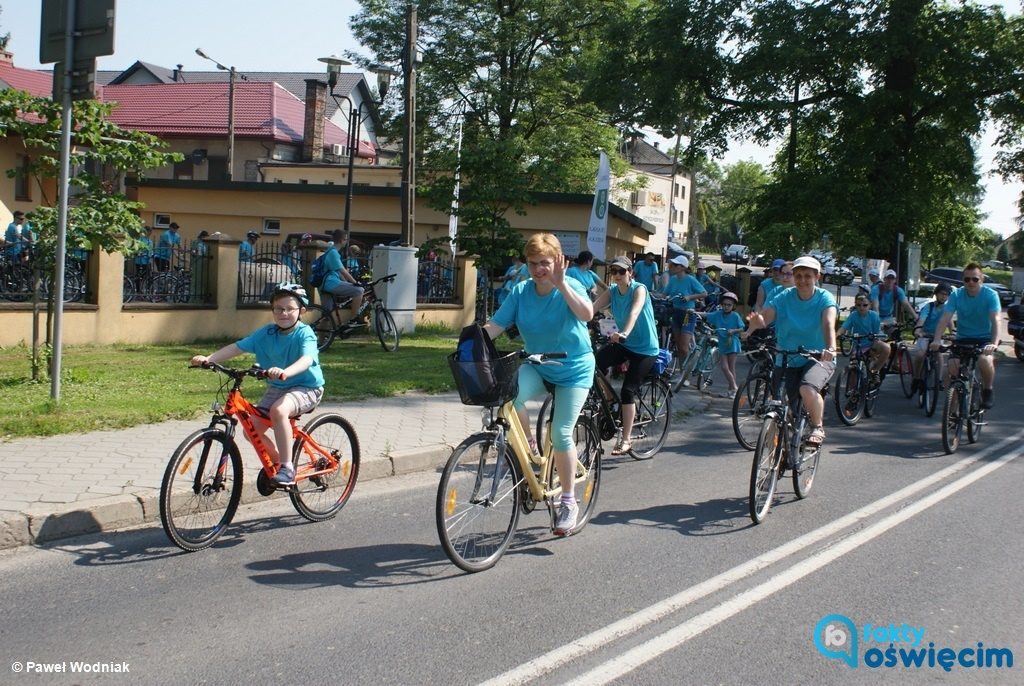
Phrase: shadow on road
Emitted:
{"points": [[709, 518]]}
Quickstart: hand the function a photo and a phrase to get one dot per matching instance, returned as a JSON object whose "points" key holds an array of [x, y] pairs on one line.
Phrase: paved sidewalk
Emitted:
{"points": [[65, 486]]}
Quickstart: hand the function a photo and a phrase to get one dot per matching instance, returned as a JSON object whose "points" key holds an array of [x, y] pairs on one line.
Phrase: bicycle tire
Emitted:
{"points": [[588, 455], [544, 419], [475, 531], [652, 420], [870, 392], [849, 396], [384, 325], [764, 472], [687, 365], [806, 464], [708, 362], [319, 498], [976, 415], [748, 410], [845, 345], [952, 420], [322, 324], [933, 384], [673, 373], [195, 520], [906, 367]]}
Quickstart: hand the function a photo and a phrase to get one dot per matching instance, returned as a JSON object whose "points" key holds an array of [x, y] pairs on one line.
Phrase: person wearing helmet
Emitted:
{"points": [[286, 349], [924, 329], [685, 291], [247, 248], [729, 325], [804, 316]]}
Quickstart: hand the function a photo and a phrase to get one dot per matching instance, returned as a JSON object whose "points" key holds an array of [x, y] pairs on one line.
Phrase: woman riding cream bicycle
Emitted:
{"points": [[805, 317], [636, 341], [924, 329], [551, 312]]}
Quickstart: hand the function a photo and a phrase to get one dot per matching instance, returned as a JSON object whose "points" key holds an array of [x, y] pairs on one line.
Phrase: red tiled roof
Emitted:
{"points": [[38, 83], [262, 110]]}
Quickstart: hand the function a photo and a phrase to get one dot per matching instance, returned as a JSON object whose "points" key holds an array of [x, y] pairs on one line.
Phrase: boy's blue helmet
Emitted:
{"points": [[285, 288]]}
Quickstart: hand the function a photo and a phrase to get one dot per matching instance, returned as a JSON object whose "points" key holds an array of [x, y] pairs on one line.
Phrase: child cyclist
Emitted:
{"points": [[728, 322], [287, 351], [865, 320]]}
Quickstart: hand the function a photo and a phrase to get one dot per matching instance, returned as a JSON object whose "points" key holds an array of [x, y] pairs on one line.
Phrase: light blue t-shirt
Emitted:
{"points": [[646, 274], [683, 285], [165, 246], [708, 283], [143, 256], [869, 323], [886, 306], [798, 322], [246, 251], [332, 269], [931, 311], [514, 274], [643, 339], [972, 313], [274, 348], [584, 276], [771, 288], [548, 325], [727, 343]]}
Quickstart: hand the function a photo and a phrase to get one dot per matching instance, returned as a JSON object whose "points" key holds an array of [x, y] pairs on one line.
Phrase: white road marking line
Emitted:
{"points": [[631, 659], [543, 664]]}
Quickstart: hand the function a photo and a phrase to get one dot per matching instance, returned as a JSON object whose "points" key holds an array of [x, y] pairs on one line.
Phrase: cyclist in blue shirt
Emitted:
{"points": [[338, 282], [766, 289], [170, 241], [977, 311], [709, 284], [686, 291], [19, 237], [646, 271], [729, 324], [287, 350], [635, 342], [805, 316], [884, 296], [514, 274], [143, 256], [247, 248], [924, 330], [551, 311], [582, 272], [865, 321]]}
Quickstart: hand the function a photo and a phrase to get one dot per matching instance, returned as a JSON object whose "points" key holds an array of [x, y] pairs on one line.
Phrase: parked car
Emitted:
{"points": [[924, 293], [837, 273], [954, 277], [761, 259], [739, 254], [995, 264]]}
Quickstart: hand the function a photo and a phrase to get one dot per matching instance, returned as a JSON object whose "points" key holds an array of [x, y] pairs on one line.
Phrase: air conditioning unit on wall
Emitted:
{"points": [[337, 149]]}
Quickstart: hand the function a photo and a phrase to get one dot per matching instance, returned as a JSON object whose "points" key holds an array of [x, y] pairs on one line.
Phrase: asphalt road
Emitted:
{"points": [[669, 584]]}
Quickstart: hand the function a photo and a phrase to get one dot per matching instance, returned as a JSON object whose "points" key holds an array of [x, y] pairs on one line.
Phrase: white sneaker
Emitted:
{"points": [[566, 520], [686, 382]]}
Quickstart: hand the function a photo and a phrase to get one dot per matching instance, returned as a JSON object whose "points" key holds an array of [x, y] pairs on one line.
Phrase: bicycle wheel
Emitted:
{"points": [[933, 384], [687, 365], [201, 489], [322, 324], [673, 373], [708, 362], [319, 497], [588, 457], [870, 392], [764, 473], [806, 463], [478, 503], [976, 416], [848, 396], [653, 417], [748, 410], [544, 420], [127, 290], [845, 345], [906, 367], [384, 325], [952, 418]]}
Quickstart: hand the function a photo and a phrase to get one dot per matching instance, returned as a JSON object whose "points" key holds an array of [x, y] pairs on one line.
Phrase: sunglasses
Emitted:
{"points": [[615, 271], [972, 279]]}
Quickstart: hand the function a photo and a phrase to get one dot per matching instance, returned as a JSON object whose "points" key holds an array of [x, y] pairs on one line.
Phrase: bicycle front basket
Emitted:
{"points": [[488, 383]]}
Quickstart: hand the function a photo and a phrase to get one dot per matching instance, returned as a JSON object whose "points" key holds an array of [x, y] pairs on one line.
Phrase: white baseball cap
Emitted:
{"points": [[809, 262], [872, 272], [890, 272], [681, 260]]}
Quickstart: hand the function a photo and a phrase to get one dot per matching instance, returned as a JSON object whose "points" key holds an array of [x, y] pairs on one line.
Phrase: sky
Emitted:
{"points": [[289, 35]]}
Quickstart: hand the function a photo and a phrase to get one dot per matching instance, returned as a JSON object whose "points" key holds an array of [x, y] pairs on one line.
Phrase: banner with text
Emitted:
{"points": [[597, 230]]}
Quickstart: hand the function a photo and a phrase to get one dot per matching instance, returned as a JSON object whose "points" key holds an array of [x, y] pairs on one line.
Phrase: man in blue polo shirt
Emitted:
{"points": [[977, 311]]}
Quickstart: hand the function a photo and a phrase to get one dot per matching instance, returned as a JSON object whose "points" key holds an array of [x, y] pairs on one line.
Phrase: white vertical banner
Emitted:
{"points": [[453, 219], [597, 230]]}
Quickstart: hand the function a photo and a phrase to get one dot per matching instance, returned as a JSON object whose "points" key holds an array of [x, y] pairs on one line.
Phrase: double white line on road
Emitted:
{"points": [[631, 659]]}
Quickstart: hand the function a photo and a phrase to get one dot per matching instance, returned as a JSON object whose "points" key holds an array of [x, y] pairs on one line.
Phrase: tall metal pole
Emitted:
{"points": [[408, 204], [62, 192], [353, 143], [231, 124]]}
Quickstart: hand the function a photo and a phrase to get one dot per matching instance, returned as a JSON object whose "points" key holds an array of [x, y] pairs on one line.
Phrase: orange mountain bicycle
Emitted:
{"points": [[202, 486]]}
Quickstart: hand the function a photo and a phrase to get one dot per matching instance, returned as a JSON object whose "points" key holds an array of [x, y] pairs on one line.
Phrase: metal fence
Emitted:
{"points": [[436, 281], [269, 264], [184, 280], [19, 274]]}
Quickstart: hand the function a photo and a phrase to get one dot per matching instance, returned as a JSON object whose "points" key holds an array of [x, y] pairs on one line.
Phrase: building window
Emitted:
{"points": [[682, 191], [161, 221], [271, 226], [22, 187]]}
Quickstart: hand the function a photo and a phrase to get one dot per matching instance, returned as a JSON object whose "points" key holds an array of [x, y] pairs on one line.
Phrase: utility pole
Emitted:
{"points": [[408, 203]]}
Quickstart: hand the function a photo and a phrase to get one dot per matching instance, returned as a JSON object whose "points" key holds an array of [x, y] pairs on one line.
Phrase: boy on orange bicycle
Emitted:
{"points": [[287, 351]]}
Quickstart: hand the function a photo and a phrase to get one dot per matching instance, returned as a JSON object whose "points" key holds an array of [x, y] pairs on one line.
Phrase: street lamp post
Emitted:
{"points": [[409, 139], [231, 110]]}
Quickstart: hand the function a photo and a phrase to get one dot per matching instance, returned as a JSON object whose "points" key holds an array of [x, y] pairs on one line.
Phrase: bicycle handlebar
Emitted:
{"points": [[254, 371]]}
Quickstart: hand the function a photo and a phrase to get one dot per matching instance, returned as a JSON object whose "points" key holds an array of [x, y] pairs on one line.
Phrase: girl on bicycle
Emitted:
{"points": [[729, 324], [636, 341], [551, 312], [865, 321]]}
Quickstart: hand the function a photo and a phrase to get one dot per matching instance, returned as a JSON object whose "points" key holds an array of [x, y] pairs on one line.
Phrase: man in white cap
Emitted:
{"points": [[685, 291], [873, 280], [884, 297], [804, 316]]}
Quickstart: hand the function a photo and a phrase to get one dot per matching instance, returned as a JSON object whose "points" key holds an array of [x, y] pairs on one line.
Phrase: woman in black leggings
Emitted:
{"points": [[636, 341]]}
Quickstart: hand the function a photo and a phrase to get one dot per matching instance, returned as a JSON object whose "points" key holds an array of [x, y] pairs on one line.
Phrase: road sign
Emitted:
{"points": [[83, 80], [94, 29]]}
